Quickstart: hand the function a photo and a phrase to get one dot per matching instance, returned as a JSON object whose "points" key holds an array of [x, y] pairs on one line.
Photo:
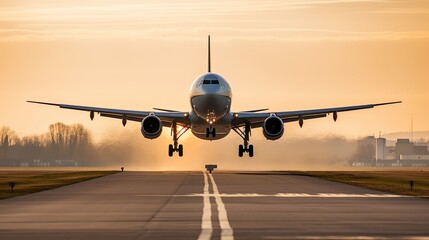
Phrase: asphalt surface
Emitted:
{"points": [[225, 205]]}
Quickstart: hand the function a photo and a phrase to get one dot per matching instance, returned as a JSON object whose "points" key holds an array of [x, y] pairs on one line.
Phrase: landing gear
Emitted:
{"points": [[242, 149], [176, 147], [180, 150], [170, 150], [244, 134], [210, 131], [250, 150]]}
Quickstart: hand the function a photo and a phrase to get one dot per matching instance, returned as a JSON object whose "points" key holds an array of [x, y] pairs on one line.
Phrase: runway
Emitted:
{"points": [[223, 205]]}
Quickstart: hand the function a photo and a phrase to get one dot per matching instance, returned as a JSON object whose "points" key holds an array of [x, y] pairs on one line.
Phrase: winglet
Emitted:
{"points": [[209, 58]]}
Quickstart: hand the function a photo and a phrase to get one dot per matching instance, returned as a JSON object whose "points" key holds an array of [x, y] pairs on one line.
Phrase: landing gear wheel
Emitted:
{"points": [[170, 150], [240, 150], [250, 150], [180, 150], [210, 131]]}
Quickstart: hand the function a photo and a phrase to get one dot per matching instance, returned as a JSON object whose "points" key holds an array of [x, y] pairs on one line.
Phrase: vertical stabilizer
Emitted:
{"points": [[209, 58]]}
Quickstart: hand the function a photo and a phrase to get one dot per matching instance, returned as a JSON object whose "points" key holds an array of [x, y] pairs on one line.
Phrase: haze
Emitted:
{"points": [[284, 55]]}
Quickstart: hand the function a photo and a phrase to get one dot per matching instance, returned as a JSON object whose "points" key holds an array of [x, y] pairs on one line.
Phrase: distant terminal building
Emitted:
{"points": [[375, 152], [403, 147], [380, 149], [421, 149]]}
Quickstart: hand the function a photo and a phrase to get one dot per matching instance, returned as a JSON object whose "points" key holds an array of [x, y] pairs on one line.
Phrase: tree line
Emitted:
{"points": [[60, 142]]}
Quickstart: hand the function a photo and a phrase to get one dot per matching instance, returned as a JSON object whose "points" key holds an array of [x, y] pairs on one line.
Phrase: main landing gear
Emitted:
{"points": [[244, 134], [176, 147]]}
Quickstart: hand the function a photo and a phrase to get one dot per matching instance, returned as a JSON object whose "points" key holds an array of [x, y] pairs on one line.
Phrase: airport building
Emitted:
{"points": [[403, 147], [405, 153], [380, 149]]}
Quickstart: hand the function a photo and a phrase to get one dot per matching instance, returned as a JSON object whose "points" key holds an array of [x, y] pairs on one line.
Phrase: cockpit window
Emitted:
{"points": [[211, 79]]}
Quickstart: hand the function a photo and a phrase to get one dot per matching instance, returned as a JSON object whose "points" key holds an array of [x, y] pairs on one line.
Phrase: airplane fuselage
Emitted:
{"points": [[210, 98]]}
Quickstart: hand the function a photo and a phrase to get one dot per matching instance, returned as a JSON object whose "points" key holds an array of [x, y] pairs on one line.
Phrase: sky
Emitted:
{"points": [[282, 55]]}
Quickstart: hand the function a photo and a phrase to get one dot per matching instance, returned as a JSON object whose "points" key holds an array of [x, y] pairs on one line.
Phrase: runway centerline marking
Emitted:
{"points": [[206, 222], [226, 230]]}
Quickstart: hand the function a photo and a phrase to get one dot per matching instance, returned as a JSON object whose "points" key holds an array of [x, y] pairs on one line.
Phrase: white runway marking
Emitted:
{"points": [[288, 195], [227, 233], [300, 195], [206, 222], [349, 237], [338, 195]]}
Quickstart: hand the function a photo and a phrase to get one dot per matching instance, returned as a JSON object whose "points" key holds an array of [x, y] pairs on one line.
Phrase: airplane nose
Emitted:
{"points": [[211, 107]]}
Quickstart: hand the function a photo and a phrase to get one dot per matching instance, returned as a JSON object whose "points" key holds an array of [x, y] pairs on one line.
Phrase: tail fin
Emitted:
{"points": [[209, 58]]}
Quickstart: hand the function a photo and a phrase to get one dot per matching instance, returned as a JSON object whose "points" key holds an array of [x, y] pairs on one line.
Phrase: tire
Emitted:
{"points": [[214, 132], [240, 150], [170, 150], [180, 150], [250, 150]]}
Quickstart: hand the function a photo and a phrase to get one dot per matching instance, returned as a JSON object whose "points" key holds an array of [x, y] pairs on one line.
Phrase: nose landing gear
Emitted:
{"points": [[210, 131]]}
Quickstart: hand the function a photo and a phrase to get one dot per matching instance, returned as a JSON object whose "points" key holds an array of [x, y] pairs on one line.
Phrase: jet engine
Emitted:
{"points": [[151, 127], [273, 127]]}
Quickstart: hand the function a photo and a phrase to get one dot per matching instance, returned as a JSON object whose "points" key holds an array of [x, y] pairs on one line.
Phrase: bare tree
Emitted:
{"points": [[7, 138], [59, 138], [79, 142]]}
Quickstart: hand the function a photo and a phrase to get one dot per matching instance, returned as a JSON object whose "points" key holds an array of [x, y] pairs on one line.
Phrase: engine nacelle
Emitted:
{"points": [[151, 127], [273, 127]]}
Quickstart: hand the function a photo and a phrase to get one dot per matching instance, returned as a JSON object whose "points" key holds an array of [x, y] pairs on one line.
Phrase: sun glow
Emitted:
{"points": [[285, 55]]}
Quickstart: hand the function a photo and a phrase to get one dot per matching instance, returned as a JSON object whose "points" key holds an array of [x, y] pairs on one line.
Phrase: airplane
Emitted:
{"points": [[210, 117]]}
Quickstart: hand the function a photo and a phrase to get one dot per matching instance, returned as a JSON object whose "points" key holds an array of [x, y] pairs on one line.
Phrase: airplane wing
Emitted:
{"points": [[257, 119], [167, 118]]}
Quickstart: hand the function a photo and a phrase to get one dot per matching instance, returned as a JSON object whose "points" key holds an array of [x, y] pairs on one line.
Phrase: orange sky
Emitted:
{"points": [[284, 55]]}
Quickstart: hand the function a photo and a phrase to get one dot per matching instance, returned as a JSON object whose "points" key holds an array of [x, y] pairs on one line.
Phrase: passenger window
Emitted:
{"points": [[206, 82], [215, 81]]}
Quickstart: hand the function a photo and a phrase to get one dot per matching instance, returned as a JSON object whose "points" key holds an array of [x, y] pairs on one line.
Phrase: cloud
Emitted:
{"points": [[246, 19], [412, 11], [253, 34]]}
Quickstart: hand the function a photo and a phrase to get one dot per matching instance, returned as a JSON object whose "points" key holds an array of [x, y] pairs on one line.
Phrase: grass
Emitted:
{"points": [[397, 182], [31, 181]]}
